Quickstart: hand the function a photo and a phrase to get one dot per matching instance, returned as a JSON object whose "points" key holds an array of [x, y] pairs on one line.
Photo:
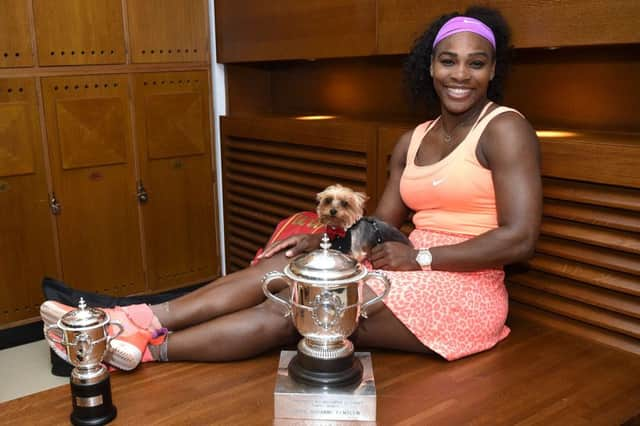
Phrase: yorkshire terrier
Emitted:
{"points": [[341, 209]]}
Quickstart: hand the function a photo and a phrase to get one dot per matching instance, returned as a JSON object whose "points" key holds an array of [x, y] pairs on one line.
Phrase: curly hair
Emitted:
{"points": [[416, 66]]}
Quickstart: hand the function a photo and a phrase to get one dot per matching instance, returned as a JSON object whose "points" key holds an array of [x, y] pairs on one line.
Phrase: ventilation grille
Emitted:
{"points": [[587, 263], [266, 181]]}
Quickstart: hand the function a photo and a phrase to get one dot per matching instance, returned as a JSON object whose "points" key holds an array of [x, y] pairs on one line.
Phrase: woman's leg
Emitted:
{"points": [[239, 335], [234, 292], [383, 330]]}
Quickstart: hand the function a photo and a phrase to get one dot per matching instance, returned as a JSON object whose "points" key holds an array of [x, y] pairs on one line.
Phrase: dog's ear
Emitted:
{"points": [[361, 198], [322, 194]]}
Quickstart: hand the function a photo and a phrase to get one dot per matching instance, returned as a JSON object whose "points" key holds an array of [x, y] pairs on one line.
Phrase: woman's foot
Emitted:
{"points": [[126, 350]]}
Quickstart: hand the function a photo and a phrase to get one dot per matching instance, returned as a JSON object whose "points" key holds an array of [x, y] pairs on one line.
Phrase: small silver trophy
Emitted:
{"points": [[325, 379], [84, 333]]}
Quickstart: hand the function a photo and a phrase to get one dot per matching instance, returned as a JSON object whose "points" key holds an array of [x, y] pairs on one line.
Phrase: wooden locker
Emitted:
{"points": [[79, 32], [91, 151], [15, 34], [26, 229], [168, 30], [173, 133]]}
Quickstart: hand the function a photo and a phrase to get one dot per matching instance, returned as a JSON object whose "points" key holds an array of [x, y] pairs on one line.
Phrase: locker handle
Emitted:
{"points": [[54, 205], [142, 194]]}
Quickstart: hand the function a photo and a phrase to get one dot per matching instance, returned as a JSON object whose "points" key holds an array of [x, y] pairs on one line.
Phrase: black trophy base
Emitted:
{"points": [[339, 372], [92, 404]]}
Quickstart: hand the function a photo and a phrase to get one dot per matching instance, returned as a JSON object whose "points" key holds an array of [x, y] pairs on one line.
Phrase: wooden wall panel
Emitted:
{"points": [[612, 159], [168, 30], [535, 23], [587, 263], [179, 217], [26, 231], [79, 32], [248, 90], [273, 167], [289, 29], [15, 34], [88, 118], [548, 87], [596, 88]]}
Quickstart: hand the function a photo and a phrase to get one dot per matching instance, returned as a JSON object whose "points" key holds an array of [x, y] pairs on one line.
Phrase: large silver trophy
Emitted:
{"points": [[325, 379], [84, 333]]}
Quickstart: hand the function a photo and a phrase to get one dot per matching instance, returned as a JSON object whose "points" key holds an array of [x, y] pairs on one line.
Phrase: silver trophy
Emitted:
{"points": [[325, 305], [84, 333]]}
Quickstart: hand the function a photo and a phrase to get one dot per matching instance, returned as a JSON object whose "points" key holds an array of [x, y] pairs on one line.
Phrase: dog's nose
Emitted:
{"points": [[333, 212]]}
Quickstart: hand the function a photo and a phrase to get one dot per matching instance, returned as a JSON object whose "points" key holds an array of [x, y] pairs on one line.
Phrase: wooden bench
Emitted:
{"points": [[538, 375]]}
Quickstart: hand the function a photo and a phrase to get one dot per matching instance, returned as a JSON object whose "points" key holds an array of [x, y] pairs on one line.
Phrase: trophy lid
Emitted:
{"points": [[325, 265], [84, 317]]}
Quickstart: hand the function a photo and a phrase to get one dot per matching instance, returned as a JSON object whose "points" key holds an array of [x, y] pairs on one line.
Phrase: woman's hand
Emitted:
{"points": [[394, 256], [294, 245]]}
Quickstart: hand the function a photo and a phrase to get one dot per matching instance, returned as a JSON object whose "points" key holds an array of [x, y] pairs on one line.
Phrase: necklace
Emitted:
{"points": [[447, 137]]}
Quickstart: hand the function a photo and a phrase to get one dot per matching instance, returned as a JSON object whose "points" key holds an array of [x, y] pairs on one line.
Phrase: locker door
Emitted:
{"points": [[172, 125], [89, 133], [26, 229]]}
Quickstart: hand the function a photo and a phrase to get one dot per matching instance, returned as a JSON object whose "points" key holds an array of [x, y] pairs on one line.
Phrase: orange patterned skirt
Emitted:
{"points": [[455, 314]]}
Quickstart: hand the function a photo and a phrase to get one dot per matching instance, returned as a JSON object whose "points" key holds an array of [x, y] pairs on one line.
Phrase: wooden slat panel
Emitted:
{"points": [[258, 216], [588, 193], [239, 200], [274, 168], [600, 236], [588, 274], [15, 34], [256, 228], [168, 30], [575, 290], [290, 29], [278, 177], [79, 32], [593, 215], [575, 310], [402, 21], [590, 254]]}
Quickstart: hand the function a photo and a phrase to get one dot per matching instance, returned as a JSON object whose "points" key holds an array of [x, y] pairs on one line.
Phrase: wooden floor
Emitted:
{"points": [[537, 376]]}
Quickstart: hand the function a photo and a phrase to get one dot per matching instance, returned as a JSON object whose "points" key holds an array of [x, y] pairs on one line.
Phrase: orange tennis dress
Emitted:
{"points": [[454, 314]]}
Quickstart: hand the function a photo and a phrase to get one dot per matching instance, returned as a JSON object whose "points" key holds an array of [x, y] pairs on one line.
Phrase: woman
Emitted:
{"points": [[472, 178]]}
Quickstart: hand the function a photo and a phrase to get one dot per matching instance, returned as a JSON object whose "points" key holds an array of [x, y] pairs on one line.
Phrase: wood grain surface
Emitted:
{"points": [[536, 376]]}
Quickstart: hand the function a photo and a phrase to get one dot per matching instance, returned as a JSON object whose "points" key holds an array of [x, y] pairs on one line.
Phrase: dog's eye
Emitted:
{"points": [[328, 200], [344, 204]]}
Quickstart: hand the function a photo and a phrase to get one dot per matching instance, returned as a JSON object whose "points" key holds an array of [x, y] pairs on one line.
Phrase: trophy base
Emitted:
{"points": [[337, 372], [296, 400], [92, 404]]}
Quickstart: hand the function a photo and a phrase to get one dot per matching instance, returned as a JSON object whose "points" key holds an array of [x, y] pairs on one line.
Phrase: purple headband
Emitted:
{"points": [[459, 24]]}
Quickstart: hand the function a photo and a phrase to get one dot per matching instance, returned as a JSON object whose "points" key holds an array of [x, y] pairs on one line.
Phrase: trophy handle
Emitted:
{"points": [[117, 324], [270, 276], [376, 275], [55, 338]]}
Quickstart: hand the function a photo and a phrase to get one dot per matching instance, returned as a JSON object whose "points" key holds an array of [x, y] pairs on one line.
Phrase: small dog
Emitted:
{"points": [[341, 209]]}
